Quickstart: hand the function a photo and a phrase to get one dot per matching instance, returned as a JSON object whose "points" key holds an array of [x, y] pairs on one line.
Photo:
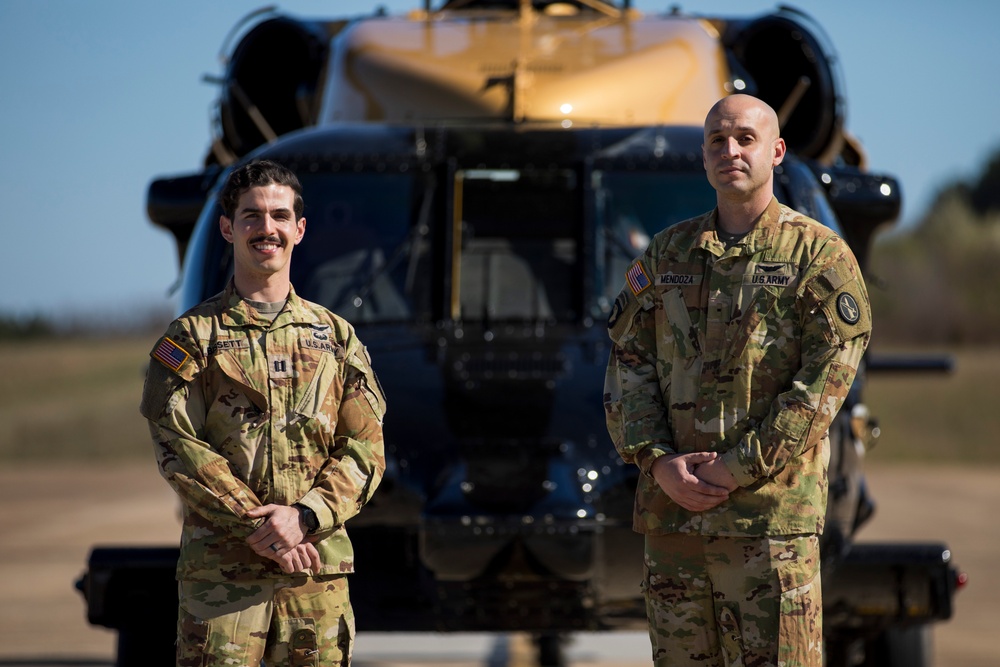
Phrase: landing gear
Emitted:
{"points": [[550, 650], [900, 647]]}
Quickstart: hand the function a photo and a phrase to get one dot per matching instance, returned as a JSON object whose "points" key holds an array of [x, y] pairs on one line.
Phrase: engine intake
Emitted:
{"points": [[792, 71]]}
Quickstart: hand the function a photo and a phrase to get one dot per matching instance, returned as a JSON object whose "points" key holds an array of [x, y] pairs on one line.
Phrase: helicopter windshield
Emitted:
{"points": [[517, 234], [528, 245], [364, 239], [632, 206]]}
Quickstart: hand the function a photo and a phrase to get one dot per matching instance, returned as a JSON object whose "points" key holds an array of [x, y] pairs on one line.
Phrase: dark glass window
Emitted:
{"points": [[632, 206], [520, 234], [362, 252]]}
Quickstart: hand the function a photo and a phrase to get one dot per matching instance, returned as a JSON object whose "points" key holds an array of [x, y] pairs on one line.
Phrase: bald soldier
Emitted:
{"points": [[736, 338], [266, 420]]}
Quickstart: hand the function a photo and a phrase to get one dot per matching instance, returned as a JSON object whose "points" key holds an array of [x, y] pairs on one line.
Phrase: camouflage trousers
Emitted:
{"points": [[290, 621], [734, 601]]}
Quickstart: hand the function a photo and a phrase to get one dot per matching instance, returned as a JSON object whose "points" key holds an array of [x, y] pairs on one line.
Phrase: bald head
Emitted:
{"points": [[742, 147], [744, 107]]}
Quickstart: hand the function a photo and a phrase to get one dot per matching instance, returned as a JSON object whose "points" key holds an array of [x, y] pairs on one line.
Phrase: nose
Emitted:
{"points": [[731, 149], [268, 224]]}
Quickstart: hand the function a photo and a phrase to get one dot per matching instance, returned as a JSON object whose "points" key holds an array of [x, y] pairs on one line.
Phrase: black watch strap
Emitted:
{"points": [[309, 518]]}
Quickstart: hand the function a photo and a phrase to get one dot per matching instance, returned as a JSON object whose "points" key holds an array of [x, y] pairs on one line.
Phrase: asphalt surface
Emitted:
{"points": [[52, 517]]}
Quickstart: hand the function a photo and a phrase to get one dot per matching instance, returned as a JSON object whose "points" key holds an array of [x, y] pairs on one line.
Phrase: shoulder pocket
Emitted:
{"points": [[844, 303], [172, 365], [159, 392], [176, 357], [621, 321], [361, 371]]}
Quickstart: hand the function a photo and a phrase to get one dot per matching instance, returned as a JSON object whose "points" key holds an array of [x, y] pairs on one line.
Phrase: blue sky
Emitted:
{"points": [[99, 97]]}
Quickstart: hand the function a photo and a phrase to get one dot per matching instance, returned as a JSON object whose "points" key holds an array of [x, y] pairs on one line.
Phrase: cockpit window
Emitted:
{"points": [[362, 246], [531, 244], [519, 234], [632, 206]]}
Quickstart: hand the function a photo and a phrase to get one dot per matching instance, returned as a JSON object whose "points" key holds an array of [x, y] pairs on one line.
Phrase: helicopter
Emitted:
{"points": [[478, 176]]}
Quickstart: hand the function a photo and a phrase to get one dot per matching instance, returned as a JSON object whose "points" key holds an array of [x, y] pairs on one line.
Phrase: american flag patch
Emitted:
{"points": [[637, 278], [170, 354]]}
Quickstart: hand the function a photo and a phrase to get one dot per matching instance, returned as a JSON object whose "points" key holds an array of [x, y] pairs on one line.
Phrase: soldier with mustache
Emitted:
{"points": [[266, 419]]}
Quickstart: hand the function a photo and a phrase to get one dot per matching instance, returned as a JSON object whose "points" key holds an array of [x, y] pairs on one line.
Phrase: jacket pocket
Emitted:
{"points": [[675, 310], [752, 329]]}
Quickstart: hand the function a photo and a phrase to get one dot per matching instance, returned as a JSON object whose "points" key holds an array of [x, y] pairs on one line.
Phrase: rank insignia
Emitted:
{"points": [[170, 354], [637, 279]]}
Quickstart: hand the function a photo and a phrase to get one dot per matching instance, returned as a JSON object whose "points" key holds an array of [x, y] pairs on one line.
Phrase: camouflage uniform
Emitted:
{"points": [[749, 352], [245, 412]]}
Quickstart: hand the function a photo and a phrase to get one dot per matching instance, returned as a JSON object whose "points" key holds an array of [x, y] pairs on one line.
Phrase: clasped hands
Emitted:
{"points": [[697, 482], [283, 538]]}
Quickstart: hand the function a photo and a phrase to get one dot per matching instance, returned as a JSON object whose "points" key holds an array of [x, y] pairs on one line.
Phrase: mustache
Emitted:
{"points": [[266, 239]]}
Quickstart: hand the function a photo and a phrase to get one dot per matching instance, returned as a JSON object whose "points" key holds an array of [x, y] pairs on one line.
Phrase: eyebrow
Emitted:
{"points": [[256, 209], [745, 129]]}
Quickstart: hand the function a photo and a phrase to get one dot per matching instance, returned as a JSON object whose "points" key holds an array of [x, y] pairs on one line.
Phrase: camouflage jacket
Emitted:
{"points": [[749, 352], [245, 412]]}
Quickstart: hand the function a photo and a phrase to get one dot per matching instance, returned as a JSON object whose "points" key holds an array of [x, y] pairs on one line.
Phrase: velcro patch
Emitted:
{"points": [[637, 278], [323, 345], [228, 344], [622, 313], [170, 354], [771, 274], [847, 312], [768, 279], [678, 279]]}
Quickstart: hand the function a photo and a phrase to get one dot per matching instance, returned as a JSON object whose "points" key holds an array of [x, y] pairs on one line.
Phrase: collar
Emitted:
{"points": [[760, 236], [236, 312]]}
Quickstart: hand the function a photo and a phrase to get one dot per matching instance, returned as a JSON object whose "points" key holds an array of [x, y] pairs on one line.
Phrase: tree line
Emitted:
{"points": [[938, 282]]}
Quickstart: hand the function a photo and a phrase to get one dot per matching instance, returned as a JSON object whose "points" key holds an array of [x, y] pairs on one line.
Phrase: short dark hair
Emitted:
{"points": [[258, 173]]}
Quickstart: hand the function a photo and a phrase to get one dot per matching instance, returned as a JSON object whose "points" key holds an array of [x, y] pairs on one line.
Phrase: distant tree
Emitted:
{"points": [[936, 283], [20, 328], [984, 195]]}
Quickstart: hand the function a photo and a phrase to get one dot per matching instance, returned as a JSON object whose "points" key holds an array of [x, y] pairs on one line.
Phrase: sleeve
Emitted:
{"points": [[174, 404], [836, 327], [637, 419], [356, 465]]}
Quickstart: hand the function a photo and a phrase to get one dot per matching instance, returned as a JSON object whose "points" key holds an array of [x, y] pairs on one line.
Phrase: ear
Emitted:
{"points": [[300, 230], [779, 152], [226, 228]]}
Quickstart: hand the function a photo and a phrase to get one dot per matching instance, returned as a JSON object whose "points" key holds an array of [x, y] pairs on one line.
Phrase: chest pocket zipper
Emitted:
{"points": [[686, 337], [761, 306]]}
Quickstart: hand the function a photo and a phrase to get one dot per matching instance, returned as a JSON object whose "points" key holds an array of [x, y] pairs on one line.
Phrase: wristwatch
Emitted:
{"points": [[308, 518]]}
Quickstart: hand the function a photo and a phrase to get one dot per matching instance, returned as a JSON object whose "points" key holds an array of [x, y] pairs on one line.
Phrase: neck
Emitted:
{"points": [[270, 290], [740, 216]]}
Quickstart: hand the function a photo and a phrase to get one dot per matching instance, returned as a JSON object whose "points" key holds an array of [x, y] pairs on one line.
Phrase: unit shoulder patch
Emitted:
{"points": [[847, 312], [847, 308]]}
